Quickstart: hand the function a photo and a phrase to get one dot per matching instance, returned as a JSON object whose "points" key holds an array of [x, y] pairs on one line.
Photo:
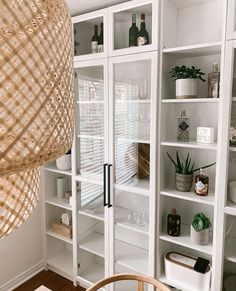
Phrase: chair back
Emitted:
{"points": [[131, 277]]}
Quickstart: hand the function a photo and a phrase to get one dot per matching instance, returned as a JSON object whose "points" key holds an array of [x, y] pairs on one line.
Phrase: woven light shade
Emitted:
{"points": [[36, 100], [19, 195], [36, 77]]}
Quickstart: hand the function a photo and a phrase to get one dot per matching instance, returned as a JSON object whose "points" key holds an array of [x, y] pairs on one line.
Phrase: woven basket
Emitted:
{"points": [[36, 76], [19, 195]]}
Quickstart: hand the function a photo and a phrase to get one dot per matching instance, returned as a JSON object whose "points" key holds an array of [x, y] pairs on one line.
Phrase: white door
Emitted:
{"points": [[91, 157], [132, 156]]}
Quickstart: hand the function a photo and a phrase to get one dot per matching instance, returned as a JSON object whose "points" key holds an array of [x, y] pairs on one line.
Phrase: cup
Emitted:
{"points": [[60, 187]]}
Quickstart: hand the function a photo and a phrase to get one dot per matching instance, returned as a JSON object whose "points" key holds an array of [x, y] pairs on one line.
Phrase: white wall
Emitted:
{"points": [[21, 250]]}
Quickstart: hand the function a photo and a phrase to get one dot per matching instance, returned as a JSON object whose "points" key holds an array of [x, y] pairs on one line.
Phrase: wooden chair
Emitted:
{"points": [[139, 278]]}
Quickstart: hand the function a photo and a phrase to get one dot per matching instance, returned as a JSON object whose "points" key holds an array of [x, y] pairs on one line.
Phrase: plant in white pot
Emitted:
{"points": [[64, 162], [186, 79], [200, 229], [184, 170]]}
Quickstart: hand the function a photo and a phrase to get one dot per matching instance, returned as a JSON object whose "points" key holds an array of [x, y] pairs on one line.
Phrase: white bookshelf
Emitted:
{"points": [[102, 239]]}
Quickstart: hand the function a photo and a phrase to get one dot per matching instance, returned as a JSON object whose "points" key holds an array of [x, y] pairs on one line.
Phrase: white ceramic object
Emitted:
{"points": [[200, 237], [232, 191], [60, 187], [186, 88], [179, 270], [64, 162], [205, 134], [230, 283]]}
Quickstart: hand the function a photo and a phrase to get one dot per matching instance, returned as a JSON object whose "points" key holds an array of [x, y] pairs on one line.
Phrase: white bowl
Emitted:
{"points": [[232, 191], [64, 162]]}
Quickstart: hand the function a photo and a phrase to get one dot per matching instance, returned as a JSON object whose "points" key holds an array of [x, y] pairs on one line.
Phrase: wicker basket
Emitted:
{"points": [[36, 92], [19, 195]]}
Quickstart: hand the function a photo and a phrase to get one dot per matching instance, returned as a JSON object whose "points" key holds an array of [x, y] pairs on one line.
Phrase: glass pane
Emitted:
{"points": [[132, 123], [90, 121]]}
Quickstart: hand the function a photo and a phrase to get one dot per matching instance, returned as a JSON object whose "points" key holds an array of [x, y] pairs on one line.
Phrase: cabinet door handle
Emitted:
{"points": [[109, 186], [104, 184]]}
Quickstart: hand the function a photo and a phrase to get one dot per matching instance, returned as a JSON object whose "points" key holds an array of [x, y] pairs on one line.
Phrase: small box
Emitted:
{"points": [[179, 269], [205, 134], [62, 229]]}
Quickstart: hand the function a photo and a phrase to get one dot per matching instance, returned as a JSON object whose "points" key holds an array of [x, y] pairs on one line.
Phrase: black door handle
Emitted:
{"points": [[109, 186], [104, 184]]}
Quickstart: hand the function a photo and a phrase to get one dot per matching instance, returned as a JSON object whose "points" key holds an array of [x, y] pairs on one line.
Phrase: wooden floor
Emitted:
{"points": [[50, 280]]}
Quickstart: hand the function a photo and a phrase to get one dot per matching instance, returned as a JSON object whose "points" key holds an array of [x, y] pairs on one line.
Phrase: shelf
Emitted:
{"points": [[189, 196], [191, 144], [132, 257], [230, 208], [51, 167], [93, 243], [60, 237], [137, 186], [164, 280], [188, 3], [90, 213], [90, 102], [126, 255], [185, 240], [197, 50], [58, 202], [120, 220], [90, 136], [191, 100], [137, 101], [92, 274], [133, 140], [230, 249], [232, 149], [62, 261]]}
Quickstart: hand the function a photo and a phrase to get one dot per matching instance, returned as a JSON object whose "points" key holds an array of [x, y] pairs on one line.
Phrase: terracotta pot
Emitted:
{"points": [[186, 88], [183, 183], [200, 237]]}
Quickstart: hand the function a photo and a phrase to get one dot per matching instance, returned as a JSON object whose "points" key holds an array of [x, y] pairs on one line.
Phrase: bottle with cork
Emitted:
{"points": [[201, 184], [173, 223], [214, 82]]}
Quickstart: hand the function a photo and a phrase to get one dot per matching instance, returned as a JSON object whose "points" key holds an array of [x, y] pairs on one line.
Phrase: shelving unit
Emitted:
{"points": [[117, 119]]}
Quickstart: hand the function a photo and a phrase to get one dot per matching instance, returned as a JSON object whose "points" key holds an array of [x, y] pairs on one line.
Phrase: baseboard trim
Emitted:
{"points": [[20, 279]]}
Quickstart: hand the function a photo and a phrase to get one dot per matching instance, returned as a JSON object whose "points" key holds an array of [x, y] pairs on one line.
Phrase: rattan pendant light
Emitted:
{"points": [[36, 99]]}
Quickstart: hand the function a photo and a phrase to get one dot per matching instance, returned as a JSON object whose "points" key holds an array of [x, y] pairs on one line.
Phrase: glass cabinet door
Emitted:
{"points": [[133, 154], [90, 83]]}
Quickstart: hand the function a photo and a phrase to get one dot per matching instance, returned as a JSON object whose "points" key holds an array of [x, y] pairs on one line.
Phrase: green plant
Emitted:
{"points": [[184, 72], [200, 222], [185, 167]]}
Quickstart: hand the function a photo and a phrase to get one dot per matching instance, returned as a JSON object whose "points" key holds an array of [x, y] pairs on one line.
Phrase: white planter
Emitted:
{"points": [[64, 162], [200, 237], [179, 270], [186, 88]]}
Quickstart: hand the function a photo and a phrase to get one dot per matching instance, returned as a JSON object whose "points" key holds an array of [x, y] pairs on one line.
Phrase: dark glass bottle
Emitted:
{"points": [[201, 184], [133, 32], [95, 40], [173, 223], [143, 36], [100, 40]]}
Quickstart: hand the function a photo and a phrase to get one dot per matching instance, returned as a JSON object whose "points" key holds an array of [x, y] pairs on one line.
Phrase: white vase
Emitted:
{"points": [[186, 88], [64, 162], [200, 237]]}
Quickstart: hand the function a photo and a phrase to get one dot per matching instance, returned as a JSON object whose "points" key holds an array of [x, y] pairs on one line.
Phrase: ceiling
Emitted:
{"points": [[82, 6]]}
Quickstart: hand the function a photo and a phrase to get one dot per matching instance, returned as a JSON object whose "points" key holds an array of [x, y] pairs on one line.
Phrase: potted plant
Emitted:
{"points": [[186, 81], [184, 172], [200, 229], [64, 162]]}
